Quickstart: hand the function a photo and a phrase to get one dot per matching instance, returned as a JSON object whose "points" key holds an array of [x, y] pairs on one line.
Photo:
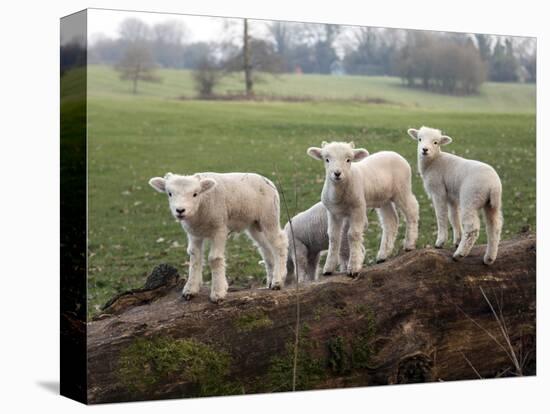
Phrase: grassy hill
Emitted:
{"points": [[493, 97], [135, 137]]}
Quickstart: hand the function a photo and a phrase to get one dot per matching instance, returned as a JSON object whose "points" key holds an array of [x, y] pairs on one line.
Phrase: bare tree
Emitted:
{"points": [[137, 65], [246, 60], [134, 31], [169, 32], [282, 35], [167, 41], [255, 55], [207, 76]]}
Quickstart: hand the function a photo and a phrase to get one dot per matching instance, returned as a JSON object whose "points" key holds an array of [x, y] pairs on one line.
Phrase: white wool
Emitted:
{"points": [[310, 238], [459, 188], [356, 181], [210, 206]]}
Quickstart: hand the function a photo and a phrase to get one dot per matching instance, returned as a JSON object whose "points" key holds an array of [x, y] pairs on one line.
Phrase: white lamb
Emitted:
{"points": [[459, 188], [310, 238], [354, 182], [209, 206]]}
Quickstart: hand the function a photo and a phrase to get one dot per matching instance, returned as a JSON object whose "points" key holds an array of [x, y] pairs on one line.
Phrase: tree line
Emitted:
{"points": [[451, 63]]}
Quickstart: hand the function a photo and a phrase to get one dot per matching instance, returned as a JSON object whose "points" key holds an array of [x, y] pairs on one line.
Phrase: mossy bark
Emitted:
{"points": [[418, 317]]}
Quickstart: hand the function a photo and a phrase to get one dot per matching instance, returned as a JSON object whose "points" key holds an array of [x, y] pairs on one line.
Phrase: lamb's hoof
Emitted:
{"points": [[327, 273], [380, 261], [438, 246], [409, 249], [488, 261], [216, 301], [353, 275], [275, 286], [187, 296], [457, 257]]}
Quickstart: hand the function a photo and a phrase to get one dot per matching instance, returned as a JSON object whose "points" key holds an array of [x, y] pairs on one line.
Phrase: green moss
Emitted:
{"points": [[346, 354], [252, 320], [310, 370], [148, 362], [338, 361]]}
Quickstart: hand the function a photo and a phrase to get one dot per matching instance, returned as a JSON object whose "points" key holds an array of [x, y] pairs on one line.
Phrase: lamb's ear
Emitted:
{"points": [[315, 152], [158, 183], [207, 184], [413, 133], [445, 140], [359, 154]]}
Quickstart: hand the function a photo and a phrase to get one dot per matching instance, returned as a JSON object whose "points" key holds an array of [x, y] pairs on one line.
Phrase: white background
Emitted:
{"points": [[29, 215]]}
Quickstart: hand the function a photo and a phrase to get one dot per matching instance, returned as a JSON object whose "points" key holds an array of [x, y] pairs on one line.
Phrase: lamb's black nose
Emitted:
{"points": [[425, 150], [337, 174], [180, 210]]}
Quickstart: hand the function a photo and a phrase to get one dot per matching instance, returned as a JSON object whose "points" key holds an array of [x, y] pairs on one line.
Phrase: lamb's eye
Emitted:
{"points": [[348, 160], [435, 142], [195, 194], [419, 139], [169, 194], [327, 160]]}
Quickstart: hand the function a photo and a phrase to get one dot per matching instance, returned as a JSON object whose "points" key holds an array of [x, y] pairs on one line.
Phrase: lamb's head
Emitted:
{"points": [[429, 141], [184, 192], [337, 157]]}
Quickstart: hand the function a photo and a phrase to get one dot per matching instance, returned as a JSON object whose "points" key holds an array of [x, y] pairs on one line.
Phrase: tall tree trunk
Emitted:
{"points": [[418, 317], [247, 63]]}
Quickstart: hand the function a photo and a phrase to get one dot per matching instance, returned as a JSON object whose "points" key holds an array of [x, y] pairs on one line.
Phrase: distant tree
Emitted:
{"points": [[206, 77], [282, 35], [530, 65], [195, 53], [371, 52], [247, 63], [133, 30], [167, 39], [446, 64], [72, 55], [105, 50], [254, 56], [322, 37], [137, 65], [484, 46], [526, 50], [504, 64]]}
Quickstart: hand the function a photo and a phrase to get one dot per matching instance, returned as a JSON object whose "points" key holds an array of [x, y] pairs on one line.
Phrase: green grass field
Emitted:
{"points": [[135, 137]]}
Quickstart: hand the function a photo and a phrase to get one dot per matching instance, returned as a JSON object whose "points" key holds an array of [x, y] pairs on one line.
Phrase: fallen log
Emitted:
{"points": [[418, 317]]}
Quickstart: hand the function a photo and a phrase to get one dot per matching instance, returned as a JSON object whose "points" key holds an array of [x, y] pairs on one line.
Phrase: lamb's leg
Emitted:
{"points": [[493, 223], [334, 239], [265, 250], [454, 218], [300, 260], [408, 205], [470, 232], [194, 283], [344, 247], [389, 221], [440, 206], [357, 225], [216, 259], [313, 266], [278, 243]]}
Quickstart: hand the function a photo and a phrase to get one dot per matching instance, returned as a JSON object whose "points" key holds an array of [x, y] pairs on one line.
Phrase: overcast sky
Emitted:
{"points": [[200, 28]]}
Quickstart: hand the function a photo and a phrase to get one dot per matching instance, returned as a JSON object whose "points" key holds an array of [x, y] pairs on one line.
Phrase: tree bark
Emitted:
{"points": [[418, 317], [247, 63]]}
